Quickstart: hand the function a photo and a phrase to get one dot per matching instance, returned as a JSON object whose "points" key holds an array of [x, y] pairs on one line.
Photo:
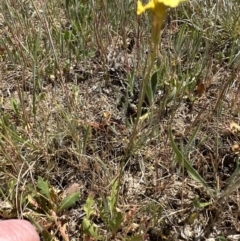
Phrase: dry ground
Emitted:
{"points": [[74, 133]]}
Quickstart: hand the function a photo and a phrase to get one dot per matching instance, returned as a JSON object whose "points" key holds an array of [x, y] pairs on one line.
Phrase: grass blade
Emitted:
{"points": [[186, 164]]}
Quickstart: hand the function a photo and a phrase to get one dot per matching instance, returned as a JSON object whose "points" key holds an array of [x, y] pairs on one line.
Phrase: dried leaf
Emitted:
{"points": [[234, 127], [236, 148], [201, 88], [74, 187]]}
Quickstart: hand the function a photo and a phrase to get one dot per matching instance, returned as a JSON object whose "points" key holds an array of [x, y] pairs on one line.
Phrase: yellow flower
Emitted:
{"points": [[153, 3]]}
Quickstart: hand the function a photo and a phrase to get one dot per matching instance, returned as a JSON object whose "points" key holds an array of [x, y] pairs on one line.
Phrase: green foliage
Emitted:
{"points": [[180, 158], [216, 195], [87, 225], [76, 38], [221, 238], [197, 204], [155, 210], [46, 115], [152, 87], [112, 218], [15, 107], [43, 187], [88, 207], [69, 201], [90, 229], [48, 199], [233, 182]]}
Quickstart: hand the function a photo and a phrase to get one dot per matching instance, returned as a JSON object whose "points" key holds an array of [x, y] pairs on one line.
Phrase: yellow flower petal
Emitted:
{"points": [[171, 3], [152, 4], [141, 8]]}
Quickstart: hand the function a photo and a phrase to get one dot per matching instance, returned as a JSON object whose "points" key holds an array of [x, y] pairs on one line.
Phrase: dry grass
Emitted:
{"points": [[70, 78]]}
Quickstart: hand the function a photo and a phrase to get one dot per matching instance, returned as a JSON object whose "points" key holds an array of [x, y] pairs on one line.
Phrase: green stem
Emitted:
{"points": [[159, 13], [142, 95]]}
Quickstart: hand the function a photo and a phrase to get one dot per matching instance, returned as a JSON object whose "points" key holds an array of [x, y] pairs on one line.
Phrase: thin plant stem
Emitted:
{"points": [[143, 87], [159, 14]]}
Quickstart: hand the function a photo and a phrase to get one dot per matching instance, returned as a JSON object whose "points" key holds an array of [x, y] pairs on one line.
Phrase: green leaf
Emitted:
{"points": [[232, 178], [88, 228], [15, 106], [104, 210], [67, 4], [186, 164], [151, 88], [69, 201], [192, 138], [180, 39], [172, 95], [41, 96], [154, 82], [44, 187], [221, 238], [116, 222], [113, 197], [88, 207], [198, 204], [192, 217]]}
